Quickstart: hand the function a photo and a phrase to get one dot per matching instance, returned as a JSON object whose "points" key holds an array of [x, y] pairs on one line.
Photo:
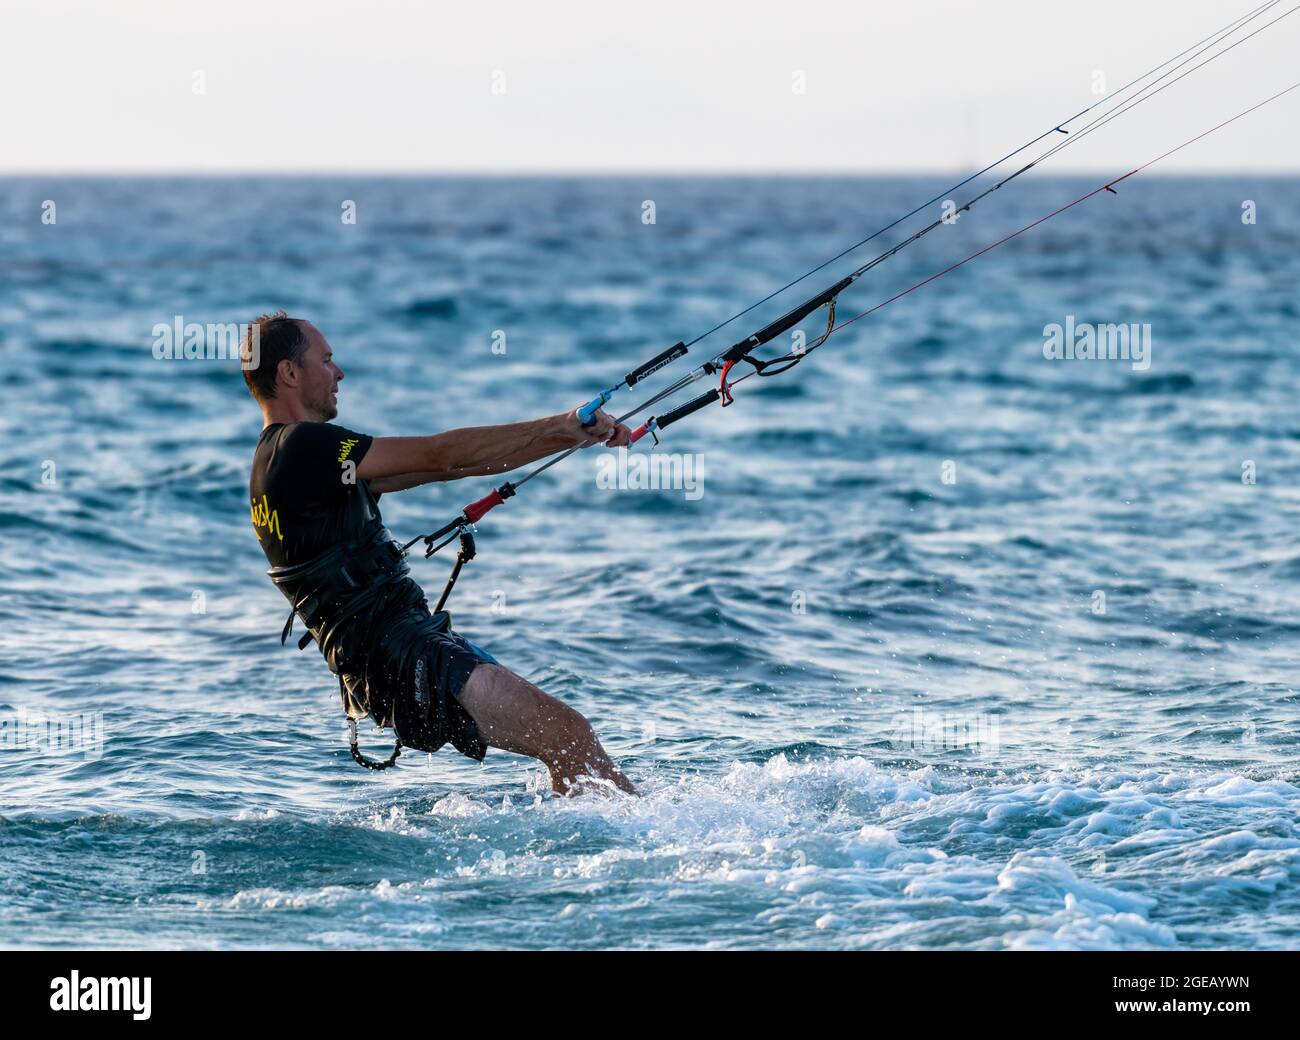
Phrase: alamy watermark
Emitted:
{"points": [[936, 731], [72, 992], [623, 470], [183, 340], [1084, 341], [82, 732]]}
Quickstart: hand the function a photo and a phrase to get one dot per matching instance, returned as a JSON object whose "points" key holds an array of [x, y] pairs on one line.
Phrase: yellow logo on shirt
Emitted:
{"points": [[345, 449], [265, 516]]}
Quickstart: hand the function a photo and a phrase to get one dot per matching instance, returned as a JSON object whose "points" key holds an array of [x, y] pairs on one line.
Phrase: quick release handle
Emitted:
{"points": [[475, 511], [649, 426]]}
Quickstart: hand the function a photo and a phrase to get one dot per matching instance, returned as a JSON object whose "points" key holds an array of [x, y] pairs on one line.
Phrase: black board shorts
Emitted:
{"points": [[422, 665]]}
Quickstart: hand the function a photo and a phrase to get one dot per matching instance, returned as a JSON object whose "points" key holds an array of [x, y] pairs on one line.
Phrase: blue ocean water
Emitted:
{"points": [[942, 644]]}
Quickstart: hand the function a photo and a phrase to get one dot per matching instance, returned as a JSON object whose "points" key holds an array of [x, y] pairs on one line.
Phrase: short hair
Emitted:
{"points": [[279, 338]]}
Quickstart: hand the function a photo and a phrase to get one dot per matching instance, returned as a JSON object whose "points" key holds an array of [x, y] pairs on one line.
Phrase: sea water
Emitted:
{"points": [[937, 641]]}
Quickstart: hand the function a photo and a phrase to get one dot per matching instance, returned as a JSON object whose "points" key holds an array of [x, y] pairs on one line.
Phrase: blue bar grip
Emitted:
{"points": [[587, 413]]}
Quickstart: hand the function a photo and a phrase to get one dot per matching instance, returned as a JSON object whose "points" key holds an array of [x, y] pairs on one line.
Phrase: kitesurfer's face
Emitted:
{"points": [[319, 376]]}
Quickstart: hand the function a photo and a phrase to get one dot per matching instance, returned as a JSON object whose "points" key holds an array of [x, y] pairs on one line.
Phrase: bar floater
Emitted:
{"points": [[587, 413]]}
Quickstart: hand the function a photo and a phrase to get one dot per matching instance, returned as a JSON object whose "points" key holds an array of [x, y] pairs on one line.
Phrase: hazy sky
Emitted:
{"points": [[514, 86]]}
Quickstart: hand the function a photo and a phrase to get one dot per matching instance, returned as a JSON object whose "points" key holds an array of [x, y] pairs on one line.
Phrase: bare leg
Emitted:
{"points": [[514, 715]]}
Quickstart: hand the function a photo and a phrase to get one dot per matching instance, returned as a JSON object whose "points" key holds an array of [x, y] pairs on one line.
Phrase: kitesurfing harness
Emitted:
{"points": [[328, 592]]}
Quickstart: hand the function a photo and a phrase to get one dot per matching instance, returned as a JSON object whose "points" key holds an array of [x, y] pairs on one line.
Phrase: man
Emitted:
{"points": [[314, 487]]}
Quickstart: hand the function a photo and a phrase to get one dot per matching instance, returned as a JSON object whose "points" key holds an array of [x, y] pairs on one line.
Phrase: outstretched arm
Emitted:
{"points": [[397, 463]]}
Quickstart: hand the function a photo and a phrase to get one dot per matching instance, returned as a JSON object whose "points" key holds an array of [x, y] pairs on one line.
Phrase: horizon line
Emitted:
{"points": [[541, 172]]}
